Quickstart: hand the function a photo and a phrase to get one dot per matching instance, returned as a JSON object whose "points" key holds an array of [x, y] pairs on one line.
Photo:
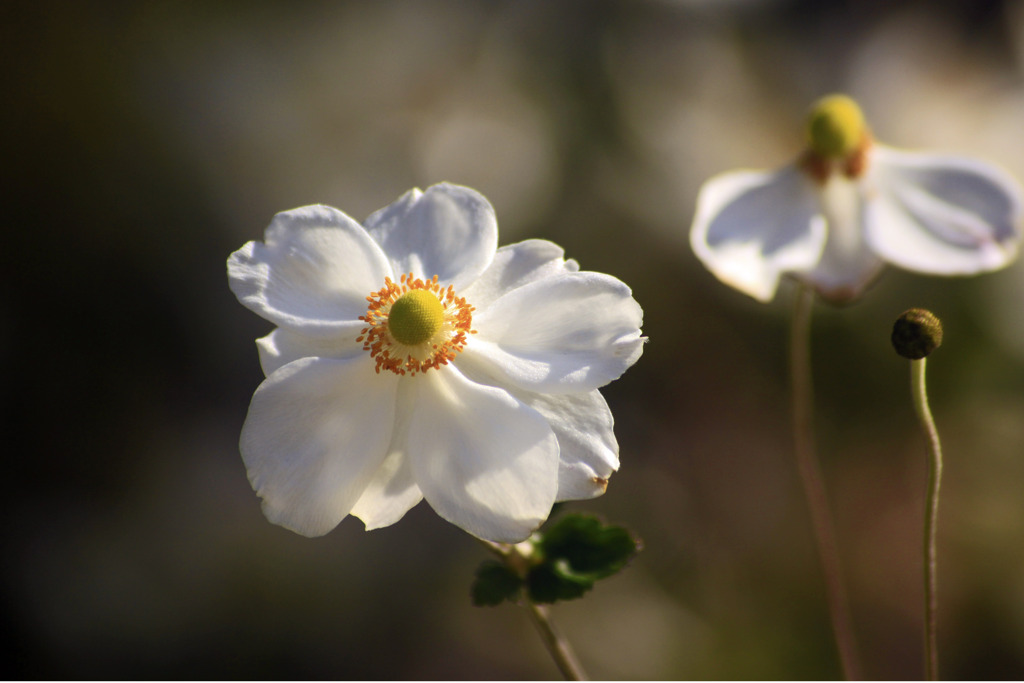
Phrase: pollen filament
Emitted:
{"points": [[437, 338]]}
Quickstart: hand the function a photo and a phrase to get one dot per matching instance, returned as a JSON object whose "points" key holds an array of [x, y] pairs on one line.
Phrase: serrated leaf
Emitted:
{"points": [[581, 548], [494, 584]]}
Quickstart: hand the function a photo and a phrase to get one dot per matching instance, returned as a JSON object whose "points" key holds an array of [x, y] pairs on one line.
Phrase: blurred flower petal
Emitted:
{"points": [[751, 227], [941, 214], [847, 264]]}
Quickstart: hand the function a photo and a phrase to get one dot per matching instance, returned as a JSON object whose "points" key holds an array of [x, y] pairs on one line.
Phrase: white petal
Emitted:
{"points": [[393, 491], [941, 214], [316, 433], [283, 346], [484, 461], [566, 334], [588, 452], [449, 231], [391, 494], [847, 264], [515, 265], [751, 227], [312, 274]]}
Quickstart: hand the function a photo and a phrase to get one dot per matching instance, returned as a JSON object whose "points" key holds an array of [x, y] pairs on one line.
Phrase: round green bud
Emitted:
{"points": [[415, 317], [916, 333], [835, 127]]}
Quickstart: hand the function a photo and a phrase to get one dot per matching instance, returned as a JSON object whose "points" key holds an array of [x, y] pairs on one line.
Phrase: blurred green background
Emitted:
{"points": [[144, 141]]}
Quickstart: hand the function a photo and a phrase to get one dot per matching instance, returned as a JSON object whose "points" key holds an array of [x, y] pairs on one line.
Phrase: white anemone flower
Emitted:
{"points": [[849, 205], [414, 359]]}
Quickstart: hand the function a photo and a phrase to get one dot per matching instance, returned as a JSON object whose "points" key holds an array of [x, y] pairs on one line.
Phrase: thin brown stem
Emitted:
{"points": [[559, 648], [813, 484]]}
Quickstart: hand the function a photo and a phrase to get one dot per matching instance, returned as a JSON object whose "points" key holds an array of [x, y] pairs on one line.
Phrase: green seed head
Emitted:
{"points": [[415, 317], [835, 127], [916, 333]]}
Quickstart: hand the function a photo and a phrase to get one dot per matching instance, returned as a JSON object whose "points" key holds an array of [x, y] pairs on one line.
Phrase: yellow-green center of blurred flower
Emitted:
{"points": [[415, 317], [414, 325], [835, 127]]}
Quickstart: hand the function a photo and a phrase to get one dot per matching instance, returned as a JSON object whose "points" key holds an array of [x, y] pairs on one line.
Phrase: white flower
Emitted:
{"points": [[413, 359], [849, 205]]}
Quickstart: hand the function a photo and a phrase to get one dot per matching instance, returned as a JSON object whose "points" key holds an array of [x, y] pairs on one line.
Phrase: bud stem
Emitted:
{"points": [[931, 516]]}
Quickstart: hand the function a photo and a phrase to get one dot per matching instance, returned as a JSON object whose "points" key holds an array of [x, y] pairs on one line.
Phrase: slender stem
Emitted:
{"points": [[813, 484], [560, 649], [556, 643], [931, 518]]}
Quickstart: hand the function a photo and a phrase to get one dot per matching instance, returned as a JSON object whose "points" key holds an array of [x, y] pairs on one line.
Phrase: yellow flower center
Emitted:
{"points": [[415, 325], [835, 127], [415, 317]]}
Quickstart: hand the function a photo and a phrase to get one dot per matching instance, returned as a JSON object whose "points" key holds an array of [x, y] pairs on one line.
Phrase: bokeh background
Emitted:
{"points": [[142, 142]]}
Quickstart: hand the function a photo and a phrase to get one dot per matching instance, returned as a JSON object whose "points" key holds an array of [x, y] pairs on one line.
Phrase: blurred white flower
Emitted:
{"points": [[412, 359], [847, 206]]}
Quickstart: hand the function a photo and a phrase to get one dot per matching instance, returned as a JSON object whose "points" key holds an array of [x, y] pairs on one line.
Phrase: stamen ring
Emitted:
{"points": [[402, 359]]}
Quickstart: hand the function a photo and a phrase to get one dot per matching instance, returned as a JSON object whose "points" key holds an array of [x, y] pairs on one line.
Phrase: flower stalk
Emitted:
{"points": [[813, 484], [559, 648]]}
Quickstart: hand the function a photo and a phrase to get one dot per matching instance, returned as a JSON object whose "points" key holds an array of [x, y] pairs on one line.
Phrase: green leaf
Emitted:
{"points": [[590, 549], [494, 584], [574, 553], [545, 585]]}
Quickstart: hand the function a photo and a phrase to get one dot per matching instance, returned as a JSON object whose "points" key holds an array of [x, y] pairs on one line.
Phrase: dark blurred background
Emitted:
{"points": [[142, 142]]}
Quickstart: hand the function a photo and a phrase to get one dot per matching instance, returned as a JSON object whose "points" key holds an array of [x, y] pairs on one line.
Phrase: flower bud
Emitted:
{"points": [[916, 333], [835, 127]]}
